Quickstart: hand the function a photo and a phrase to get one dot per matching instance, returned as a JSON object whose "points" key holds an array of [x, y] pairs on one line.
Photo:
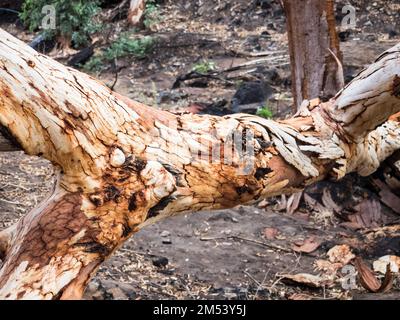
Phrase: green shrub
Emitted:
{"points": [[95, 64], [122, 47], [204, 67], [74, 19], [265, 112], [151, 13], [125, 46]]}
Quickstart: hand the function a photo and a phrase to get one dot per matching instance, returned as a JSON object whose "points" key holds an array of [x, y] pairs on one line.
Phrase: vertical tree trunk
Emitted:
{"points": [[317, 73], [312, 32], [136, 11]]}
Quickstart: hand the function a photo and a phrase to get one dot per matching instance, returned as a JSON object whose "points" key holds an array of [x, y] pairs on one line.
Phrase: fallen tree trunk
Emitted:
{"points": [[123, 165]]}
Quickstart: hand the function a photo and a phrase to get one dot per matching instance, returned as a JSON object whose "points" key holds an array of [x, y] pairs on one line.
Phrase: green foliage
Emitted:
{"points": [[125, 46], [204, 67], [95, 64], [122, 47], [151, 13], [265, 112], [74, 18]]}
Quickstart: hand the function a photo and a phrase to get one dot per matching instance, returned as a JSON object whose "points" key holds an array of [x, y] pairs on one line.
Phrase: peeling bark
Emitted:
{"points": [[124, 165]]}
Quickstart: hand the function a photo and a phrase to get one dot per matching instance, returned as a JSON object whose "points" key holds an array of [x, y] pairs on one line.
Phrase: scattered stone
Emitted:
{"points": [[344, 35], [108, 284], [168, 272], [392, 31], [167, 241], [254, 94], [165, 234], [127, 288], [221, 216], [371, 37], [117, 293], [160, 262], [92, 287], [230, 296]]}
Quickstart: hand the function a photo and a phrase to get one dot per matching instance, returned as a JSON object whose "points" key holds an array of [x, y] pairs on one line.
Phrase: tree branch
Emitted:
{"points": [[125, 165]]}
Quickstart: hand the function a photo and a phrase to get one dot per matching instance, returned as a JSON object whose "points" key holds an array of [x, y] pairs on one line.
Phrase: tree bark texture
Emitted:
{"points": [[123, 165], [316, 73], [136, 11], [312, 33]]}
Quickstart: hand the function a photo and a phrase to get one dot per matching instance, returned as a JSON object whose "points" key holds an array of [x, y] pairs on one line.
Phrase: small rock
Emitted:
{"points": [[152, 66], [117, 293], [392, 32], [92, 287], [165, 234], [229, 290], [264, 4], [117, 263], [108, 284], [265, 33], [167, 241], [220, 216], [160, 261], [230, 296], [168, 272], [128, 289], [344, 35], [370, 38], [254, 94], [242, 294]]}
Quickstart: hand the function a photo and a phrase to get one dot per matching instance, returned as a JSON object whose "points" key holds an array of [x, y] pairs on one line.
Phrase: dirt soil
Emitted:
{"points": [[245, 252]]}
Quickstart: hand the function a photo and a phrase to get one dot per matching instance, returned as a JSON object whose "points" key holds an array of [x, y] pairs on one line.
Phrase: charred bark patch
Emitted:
{"points": [[154, 211], [123, 177], [176, 173], [396, 86], [261, 173], [264, 144], [136, 165], [127, 230], [132, 202], [242, 190], [93, 247], [96, 199], [111, 193]]}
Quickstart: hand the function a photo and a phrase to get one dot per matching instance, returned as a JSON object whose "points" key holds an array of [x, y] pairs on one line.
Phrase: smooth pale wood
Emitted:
{"points": [[123, 165]]}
